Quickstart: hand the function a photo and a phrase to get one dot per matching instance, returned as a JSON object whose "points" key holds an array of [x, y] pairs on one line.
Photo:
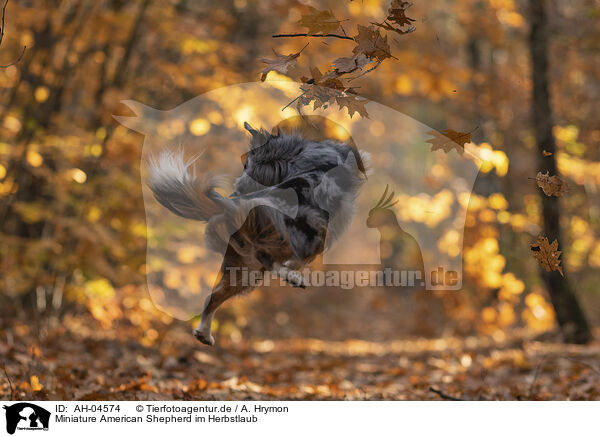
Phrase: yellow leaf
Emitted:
{"points": [[34, 381]]}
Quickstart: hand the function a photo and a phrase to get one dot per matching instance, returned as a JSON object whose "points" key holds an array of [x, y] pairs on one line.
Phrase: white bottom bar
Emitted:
{"points": [[299, 418]]}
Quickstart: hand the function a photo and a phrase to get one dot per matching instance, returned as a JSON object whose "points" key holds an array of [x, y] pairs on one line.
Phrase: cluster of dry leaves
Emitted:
{"points": [[370, 50], [281, 359]]}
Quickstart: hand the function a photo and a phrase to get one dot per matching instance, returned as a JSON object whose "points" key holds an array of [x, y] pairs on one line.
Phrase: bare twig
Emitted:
{"points": [[9, 381], [327, 35], [445, 396], [286, 106], [2, 28]]}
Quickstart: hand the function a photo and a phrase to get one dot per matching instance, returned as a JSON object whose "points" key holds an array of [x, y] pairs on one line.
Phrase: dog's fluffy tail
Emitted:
{"points": [[175, 185]]}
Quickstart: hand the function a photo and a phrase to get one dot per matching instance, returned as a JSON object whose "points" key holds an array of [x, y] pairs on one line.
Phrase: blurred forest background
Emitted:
{"points": [[76, 320]]}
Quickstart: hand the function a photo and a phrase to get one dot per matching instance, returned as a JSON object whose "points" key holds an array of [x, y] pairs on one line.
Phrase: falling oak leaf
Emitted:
{"points": [[547, 254], [545, 153], [281, 63], [551, 185], [319, 21], [371, 43], [448, 140], [353, 104]]}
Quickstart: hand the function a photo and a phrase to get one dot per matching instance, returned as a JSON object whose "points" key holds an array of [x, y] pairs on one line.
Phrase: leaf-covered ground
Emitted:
{"points": [[271, 346]]}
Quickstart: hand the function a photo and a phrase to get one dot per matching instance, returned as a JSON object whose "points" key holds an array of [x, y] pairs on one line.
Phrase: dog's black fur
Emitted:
{"points": [[291, 194]]}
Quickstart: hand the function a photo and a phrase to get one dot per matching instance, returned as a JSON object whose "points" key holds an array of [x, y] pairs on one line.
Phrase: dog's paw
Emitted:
{"points": [[208, 340], [295, 279]]}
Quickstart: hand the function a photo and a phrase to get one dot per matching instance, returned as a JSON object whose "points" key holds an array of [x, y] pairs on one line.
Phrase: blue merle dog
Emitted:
{"points": [[291, 195]]}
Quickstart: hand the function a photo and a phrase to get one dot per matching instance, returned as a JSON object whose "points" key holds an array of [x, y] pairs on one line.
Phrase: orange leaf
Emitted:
{"points": [[551, 185]]}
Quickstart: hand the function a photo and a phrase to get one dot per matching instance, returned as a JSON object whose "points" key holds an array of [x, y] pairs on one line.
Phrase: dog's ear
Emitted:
{"points": [[259, 137], [250, 129]]}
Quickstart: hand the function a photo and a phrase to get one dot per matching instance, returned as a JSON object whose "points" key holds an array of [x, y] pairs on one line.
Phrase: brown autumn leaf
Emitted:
{"points": [[448, 140], [345, 65], [319, 21], [397, 18], [551, 185], [349, 64], [546, 153], [320, 96], [371, 43], [353, 104], [547, 254], [329, 79], [281, 63], [397, 13]]}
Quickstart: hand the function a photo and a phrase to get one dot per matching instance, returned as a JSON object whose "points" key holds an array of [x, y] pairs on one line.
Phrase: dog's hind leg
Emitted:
{"points": [[223, 291]]}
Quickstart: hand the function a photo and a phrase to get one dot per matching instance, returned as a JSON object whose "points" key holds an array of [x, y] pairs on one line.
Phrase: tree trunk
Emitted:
{"points": [[570, 317]]}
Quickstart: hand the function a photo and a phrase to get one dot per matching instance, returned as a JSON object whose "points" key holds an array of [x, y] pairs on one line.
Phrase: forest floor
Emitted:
{"points": [[284, 352]]}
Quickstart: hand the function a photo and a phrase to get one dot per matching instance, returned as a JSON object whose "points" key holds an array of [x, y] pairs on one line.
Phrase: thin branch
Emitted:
{"points": [[9, 382], [343, 31], [302, 49], [2, 29], [445, 396], [286, 106], [327, 35]]}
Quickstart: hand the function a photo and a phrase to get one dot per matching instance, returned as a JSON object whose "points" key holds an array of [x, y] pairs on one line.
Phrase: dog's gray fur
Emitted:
{"points": [[291, 194]]}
